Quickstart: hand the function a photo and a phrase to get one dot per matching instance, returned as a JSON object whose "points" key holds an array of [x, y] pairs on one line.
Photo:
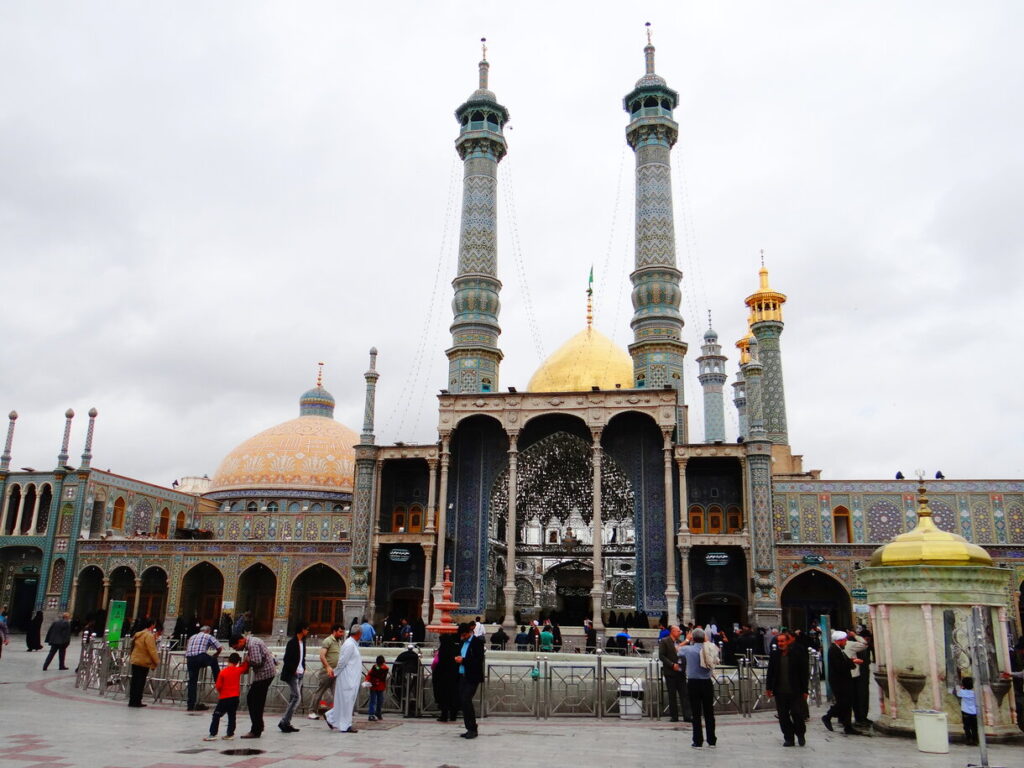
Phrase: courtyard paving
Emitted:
{"points": [[45, 722]]}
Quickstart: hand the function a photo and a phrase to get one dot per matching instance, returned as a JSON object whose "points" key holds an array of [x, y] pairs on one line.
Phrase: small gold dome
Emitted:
{"points": [[927, 544], [589, 359]]}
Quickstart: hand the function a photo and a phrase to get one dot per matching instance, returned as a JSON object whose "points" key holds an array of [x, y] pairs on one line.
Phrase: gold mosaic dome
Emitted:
{"points": [[312, 452], [588, 359], [927, 544]]}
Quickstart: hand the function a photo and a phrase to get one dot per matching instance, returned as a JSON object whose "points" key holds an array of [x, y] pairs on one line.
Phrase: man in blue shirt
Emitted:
{"points": [[471, 674], [700, 688], [368, 633]]}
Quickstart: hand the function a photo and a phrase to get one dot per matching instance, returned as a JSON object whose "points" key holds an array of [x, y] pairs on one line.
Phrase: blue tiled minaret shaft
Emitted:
{"points": [[363, 501], [474, 357], [759, 463], [712, 378], [766, 324], [739, 399], [657, 349]]}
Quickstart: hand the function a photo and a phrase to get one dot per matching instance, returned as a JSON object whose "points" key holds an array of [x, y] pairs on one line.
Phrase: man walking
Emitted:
{"points": [[263, 668], [366, 633], [471, 674], [144, 658], [292, 670], [786, 680], [839, 668], [348, 675], [197, 656], [329, 650], [58, 637], [699, 664], [674, 674]]}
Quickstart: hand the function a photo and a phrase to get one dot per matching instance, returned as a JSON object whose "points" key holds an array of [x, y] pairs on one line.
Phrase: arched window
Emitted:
{"points": [[337, 508], [179, 521], [251, 507], [316, 508], [696, 519], [118, 521], [415, 519], [293, 507], [715, 520], [552, 537], [841, 525], [734, 518], [236, 506], [398, 520], [165, 523], [272, 507], [57, 576]]}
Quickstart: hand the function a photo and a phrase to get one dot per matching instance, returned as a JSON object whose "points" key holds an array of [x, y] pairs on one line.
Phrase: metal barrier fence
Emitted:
{"points": [[595, 685]]}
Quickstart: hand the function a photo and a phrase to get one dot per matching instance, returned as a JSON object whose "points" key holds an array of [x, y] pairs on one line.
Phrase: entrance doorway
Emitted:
{"points": [[122, 587], [153, 594], [572, 583], [257, 587], [202, 592], [317, 596], [719, 608], [23, 600], [90, 592], [811, 594]]}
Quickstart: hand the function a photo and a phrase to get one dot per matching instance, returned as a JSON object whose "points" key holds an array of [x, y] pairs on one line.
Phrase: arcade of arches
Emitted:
{"points": [[316, 594], [812, 594]]}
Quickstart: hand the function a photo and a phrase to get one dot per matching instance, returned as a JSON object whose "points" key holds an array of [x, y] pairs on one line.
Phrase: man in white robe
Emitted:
{"points": [[348, 675]]}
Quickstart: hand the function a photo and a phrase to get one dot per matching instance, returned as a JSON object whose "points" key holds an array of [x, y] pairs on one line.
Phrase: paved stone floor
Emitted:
{"points": [[46, 723]]}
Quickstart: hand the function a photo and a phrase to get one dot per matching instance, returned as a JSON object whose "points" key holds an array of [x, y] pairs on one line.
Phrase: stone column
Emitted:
{"points": [[17, 515], [671, 590], [106, 594], [138, 597], [509, 622], [428, 571], [74, 596], [431, 497], [35, 511], [683, 542], [597, 588], [442, 517]]}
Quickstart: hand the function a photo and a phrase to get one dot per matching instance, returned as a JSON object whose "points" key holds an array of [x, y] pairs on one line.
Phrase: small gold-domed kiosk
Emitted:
{"points": [[921, 589]]}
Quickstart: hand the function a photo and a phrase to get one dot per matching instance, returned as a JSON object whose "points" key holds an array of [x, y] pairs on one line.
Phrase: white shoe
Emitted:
{"points": [[313, 716], [209, 738]]}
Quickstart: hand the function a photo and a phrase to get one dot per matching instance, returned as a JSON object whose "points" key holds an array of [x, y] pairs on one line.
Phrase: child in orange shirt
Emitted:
{"points": [[229, 688]]}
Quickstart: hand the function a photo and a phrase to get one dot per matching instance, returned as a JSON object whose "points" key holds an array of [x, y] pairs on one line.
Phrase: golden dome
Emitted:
{"points": [[928, 544], [589, 359]]}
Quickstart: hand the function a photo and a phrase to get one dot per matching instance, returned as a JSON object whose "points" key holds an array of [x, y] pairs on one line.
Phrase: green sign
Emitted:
{"points": [[814, 559], [115, 621], [859, 594]]}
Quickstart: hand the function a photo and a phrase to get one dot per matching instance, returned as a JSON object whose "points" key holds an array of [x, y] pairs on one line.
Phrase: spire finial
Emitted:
{"points": [[484, 66], [590, 298], [709, 318], [762, 257], [649, 51], [320, 375]]}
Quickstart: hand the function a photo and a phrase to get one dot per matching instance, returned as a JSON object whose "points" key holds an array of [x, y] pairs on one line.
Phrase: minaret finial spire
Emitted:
{"points": [[649, 51], [484, 65], [709, 318], [320, 374], [590, 298], [762, 257]]}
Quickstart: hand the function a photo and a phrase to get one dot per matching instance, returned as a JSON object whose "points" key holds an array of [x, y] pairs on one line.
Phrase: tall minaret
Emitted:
{"points": [[712, 378], [474, 356], [657, 347], [766, 324]]}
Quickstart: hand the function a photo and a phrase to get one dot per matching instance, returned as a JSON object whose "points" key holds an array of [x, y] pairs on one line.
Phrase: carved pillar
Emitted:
{"points": [[17, 515], [597, 588], [933, 663], [442, 516], [428, 571], [106, 594], [684, 559], [509, 622], [431, 496], [683, 543], [138, 598], [671, 590], [35, 511]]}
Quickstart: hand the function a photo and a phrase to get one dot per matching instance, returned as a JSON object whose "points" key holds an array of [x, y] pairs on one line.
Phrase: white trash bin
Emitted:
{"points": [[631, 698], [931, 730]]}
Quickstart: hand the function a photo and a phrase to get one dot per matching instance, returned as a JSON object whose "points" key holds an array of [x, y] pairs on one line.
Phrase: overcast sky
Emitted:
{"points": [[199, 201]]}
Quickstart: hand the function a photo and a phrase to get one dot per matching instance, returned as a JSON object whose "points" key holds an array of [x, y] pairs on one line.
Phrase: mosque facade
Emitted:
{"points": [[581, 496]]}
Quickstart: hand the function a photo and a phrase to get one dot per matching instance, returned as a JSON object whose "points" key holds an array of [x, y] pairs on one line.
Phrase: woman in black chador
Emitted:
{"points": [[445, 678], [35, 627]]}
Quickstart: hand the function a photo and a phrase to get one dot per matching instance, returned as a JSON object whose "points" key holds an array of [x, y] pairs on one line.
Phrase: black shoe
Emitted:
{"points": [[329, 724], [468, 735], [687, 719], [287, 728], [827, 721], [137, 706], [350, 729], [673, 719], [63, 668], [250, 735], [849, 730], [442, 719], [789, 743], [200, 707], [801, 740]]}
